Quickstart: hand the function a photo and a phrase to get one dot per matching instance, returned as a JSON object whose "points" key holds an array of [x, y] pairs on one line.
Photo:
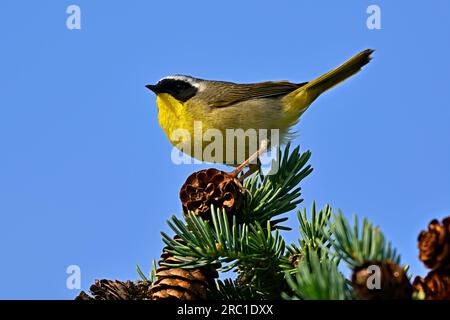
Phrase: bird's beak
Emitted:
{"points": [[153, 88]]}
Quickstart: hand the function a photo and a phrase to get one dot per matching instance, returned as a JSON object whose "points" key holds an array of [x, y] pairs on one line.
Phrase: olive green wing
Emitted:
{"points": [[227, 94]]}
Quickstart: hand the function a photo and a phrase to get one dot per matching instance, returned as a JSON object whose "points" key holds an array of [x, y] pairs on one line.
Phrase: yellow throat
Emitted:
{"points": [[171, 116]]}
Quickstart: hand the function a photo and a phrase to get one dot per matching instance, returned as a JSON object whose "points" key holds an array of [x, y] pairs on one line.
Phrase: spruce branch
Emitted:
{"points": [[318, 278], [152, 274], [315, 235], [229, 289], [198, 243], [277, 192], [358, 244], [239, 231]]}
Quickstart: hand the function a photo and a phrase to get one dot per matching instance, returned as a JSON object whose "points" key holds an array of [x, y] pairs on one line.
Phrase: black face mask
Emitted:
{"points": [[179, 89]]}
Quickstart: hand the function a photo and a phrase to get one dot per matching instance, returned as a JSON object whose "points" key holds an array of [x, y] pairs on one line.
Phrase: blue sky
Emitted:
{"points": [[85, 171]]}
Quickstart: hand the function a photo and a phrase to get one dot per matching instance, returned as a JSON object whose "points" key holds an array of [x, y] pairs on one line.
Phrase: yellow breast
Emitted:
{"points": [[170, 115]]}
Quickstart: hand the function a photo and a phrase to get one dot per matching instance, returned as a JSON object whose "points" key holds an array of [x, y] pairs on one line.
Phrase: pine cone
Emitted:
{"points": [[434, 244], [181, 284], [295, 259], [117, 290], [394, 284], [435, 286], [211, 186]]}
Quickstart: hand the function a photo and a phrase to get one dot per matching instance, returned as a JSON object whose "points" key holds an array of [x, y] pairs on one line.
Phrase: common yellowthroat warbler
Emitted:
{"points": [[187, 104]]}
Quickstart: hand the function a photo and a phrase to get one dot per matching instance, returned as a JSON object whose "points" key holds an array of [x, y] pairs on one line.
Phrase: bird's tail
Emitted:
{"points": [[301, 98]]}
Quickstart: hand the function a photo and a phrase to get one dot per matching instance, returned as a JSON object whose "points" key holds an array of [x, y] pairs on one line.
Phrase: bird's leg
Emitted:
{"points": [[252, 168], [248, 163]]}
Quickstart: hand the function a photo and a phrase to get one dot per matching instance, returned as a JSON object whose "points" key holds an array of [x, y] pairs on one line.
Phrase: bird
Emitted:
{"points": [[189, 107]]}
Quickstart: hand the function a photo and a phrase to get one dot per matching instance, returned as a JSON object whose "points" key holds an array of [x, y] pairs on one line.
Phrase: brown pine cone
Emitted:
{"points": [[182, 284], [295, 259], [435, 286], [434, 244], [211, 186], [394, 284], [117, 290]]}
